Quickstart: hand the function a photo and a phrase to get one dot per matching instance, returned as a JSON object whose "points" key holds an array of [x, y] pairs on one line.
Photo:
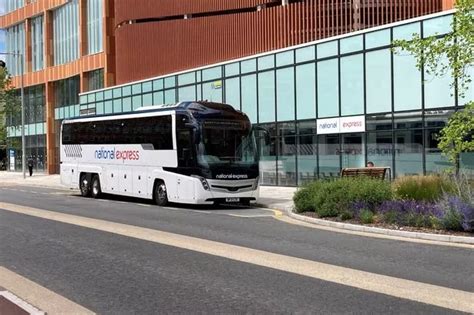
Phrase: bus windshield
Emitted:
{"points": [[226, 142]]}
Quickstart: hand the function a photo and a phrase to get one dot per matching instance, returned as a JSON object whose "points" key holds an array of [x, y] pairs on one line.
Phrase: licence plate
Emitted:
{"points": [[232, 199]]}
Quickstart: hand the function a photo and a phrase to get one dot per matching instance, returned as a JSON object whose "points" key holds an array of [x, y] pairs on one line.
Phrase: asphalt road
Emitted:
{"points": [[111, 273]]}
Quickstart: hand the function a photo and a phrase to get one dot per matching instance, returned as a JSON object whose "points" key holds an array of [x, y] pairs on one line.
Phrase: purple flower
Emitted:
{"points": [[456, 204], [410, 207]]}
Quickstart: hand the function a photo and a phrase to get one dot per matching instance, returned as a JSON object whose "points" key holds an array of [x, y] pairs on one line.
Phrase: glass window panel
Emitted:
{"points": [[406, 31], [249, 96], [307, 158], [266, 96], [305, 54], [199, 91], [327, 49], [108, 107], [117, 92], [99, 108], [158, 98], [99, 96], [83, 99], [232, 69], [91, 97], [136, 89], [436, 163], [352, 85], [437, 118], [212, 73], [148, 99], [232, 92], [107, 94], [126, 90], [328, 87], [380, 148], [285, 94], [117, 106], [158, 84], [408, 120], [267, 161], [306, 91], [378, 122], [409, 152], [438, 26], [248, 66], [170, 82], [187, 93], [407, 83], [377, 39], [378, 78], [187, 78], [351, 44], [466, 164], [285, 58], [438, 92], [170, 96], [353, 150], [286, 164], [137, 102], [212, 91], [329, 155], [266, 62], [127, 104], [147, 87], [199, 76]]}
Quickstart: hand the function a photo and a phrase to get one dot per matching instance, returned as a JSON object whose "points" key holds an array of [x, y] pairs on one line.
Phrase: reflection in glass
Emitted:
{"points": [[378, 122], [353, 150], [329, 154], [435, 162], [287, 161], [408, 152], [307, 151], [380, 149], [232, 92], [267, 162]]}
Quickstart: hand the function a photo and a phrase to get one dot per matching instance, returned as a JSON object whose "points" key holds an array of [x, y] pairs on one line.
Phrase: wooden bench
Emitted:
{"points": [[375, 172]]}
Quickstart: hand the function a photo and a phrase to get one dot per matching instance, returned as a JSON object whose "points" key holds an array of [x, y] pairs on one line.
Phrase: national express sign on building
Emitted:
{"points": [[341, 125]]}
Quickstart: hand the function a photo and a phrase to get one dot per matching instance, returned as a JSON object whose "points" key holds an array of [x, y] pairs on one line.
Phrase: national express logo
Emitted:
{"points": [[352, 124], [113, 154]]}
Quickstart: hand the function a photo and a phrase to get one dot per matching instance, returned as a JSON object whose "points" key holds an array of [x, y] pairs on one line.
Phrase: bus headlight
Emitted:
{"points": [[203, 181]]}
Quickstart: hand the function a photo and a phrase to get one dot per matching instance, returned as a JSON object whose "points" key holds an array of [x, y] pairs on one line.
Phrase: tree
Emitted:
{"points": [[10, 106], [451, 54]]}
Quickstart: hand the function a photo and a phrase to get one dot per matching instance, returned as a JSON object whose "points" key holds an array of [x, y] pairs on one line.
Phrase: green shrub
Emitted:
{"points": [[390, 217], [422, 188], [346, 215], [366, 216], [452, 220], [418, 220], [303, 198]]}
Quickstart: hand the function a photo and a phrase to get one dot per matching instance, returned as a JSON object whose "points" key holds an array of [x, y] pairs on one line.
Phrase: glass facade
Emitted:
{"points": [[94, 26], [355, 79], [12, 5], [15, 46], [66, 32], [37, 43]]}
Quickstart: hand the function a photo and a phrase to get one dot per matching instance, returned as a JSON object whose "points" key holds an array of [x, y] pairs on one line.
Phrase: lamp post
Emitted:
{"points": [[23, 145]]}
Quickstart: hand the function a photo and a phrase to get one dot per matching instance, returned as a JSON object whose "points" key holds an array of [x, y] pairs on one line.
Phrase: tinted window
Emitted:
{"points": [[145, 130]]}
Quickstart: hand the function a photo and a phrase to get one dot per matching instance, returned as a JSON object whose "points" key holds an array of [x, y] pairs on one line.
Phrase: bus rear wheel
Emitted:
{"points": [[160, 194], [84, 185], [95, 190]]}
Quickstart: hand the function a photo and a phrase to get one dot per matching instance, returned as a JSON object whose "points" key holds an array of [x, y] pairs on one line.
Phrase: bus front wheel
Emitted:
{"points": [[95, 190], [84, 185], [160, 194]]}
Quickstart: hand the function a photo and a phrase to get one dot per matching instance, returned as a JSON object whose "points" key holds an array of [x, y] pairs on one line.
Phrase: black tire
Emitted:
{"points": [[95, 187], [85, 185], [160, 194]]}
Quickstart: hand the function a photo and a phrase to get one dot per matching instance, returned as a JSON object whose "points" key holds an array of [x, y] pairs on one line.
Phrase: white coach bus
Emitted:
{"points": [[190, 152]]}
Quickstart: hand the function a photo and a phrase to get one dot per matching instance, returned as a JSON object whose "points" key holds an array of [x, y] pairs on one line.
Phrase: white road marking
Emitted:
{"points": [[406, 289], [37, 295]]}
